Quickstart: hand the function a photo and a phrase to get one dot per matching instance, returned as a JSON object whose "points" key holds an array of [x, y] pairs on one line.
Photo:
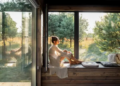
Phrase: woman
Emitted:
{"points": [[56, 55]]}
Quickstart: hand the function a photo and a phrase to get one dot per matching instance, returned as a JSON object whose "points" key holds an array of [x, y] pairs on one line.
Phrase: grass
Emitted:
{"points": [[13, 74]]}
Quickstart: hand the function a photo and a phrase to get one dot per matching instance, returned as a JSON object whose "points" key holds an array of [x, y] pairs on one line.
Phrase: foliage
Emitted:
{"points": [[52, 24], [15, 5], [62, 25], [9, 26], [107, 32]]}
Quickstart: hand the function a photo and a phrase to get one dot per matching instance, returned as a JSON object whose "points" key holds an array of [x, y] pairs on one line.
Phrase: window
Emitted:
{"points": [[61, 24], [16, 41], [98, 33]]}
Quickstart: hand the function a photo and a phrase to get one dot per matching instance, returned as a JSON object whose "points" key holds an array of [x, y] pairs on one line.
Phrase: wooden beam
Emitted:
{"points": [[76, 35], [45, 40], [39, 48], [84, 8], [41, 3]]}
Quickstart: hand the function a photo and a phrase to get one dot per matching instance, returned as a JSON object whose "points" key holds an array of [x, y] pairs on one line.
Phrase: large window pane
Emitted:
{"points": [[61, 24], [16, 41], [98, 35]]}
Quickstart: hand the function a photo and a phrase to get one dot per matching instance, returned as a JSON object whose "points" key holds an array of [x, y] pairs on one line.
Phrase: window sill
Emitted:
{"points": [[66, 64], [78, 71]]}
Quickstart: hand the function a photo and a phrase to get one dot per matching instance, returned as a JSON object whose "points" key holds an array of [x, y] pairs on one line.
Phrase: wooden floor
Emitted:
{"points": [[81, 76], [15, 83]]}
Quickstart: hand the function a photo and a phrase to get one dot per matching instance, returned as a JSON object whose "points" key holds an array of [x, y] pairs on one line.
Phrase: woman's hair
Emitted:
{"points": [[54, 38]]}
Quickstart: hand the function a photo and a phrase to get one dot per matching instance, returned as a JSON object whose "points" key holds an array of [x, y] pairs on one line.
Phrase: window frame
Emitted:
{"points": [[76, 35], [76, 10]]}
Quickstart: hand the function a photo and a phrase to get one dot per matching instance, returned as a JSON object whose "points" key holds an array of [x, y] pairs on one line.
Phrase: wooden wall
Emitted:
{"points": [[84, 77]]}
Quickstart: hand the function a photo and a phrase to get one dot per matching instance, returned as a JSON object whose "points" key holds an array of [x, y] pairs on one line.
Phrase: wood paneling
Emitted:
{"points": [[102, 76], [81, 78], [81, 85], [81, 82]]}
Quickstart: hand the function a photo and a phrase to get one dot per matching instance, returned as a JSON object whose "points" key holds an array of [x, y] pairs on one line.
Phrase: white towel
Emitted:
{"points": [[61, 72], [111, 58]]}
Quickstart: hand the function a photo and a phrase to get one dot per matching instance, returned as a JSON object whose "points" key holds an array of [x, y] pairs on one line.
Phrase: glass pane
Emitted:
{"points": [[61, 24], [98, 35], [41, 37], [16, 41], [1, 35]]}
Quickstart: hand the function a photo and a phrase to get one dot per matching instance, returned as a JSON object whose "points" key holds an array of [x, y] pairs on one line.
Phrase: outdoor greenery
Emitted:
{"points": [[107, 32], [62, 25]]}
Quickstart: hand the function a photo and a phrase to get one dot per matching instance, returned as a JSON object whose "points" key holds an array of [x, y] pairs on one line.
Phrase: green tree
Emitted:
{"points": [[62, 25], [52, 24], [9, 30], [107, 32], [67, 28], [10, 27], [15, 5]]}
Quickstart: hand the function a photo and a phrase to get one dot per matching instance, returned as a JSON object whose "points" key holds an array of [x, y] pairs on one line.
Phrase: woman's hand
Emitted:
{"points": [[65, 51], [68, 52]]}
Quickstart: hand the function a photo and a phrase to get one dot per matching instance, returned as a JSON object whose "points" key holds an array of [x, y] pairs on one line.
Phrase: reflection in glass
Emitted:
{"points": [[15, 42]]}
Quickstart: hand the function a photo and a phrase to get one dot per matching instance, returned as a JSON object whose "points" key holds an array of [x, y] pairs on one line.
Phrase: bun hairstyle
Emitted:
{"points": [[54, 38]]}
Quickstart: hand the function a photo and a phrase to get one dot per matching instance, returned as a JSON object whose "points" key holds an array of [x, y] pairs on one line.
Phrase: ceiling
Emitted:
{"points": [[83, 2]]}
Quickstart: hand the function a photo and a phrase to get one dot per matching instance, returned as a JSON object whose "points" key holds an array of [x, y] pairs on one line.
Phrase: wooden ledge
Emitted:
{"points": [[66, 64], [80, 68]]}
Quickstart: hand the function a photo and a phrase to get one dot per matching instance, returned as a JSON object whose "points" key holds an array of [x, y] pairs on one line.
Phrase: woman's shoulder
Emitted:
{"points": [[52, 46]]}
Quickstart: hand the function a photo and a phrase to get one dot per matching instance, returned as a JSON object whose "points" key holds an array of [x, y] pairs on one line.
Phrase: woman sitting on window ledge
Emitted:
{"points": [[56, 55]]}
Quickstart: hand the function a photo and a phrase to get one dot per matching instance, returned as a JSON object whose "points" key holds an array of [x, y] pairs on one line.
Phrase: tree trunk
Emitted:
{"points": [[3, 50], [62, 40], [3, 37], [86, 38], [70, 42]]}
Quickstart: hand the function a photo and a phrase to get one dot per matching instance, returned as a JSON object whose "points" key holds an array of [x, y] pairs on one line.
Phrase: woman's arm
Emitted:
{"points": [[62, 52], [58, 49]]}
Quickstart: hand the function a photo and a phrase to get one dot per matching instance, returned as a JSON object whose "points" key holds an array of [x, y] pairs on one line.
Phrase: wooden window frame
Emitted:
{"points": [[76, 10]]}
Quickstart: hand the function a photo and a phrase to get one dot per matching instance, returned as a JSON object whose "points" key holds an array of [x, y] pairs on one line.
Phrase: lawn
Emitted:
{"points": [[17, 73]]}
